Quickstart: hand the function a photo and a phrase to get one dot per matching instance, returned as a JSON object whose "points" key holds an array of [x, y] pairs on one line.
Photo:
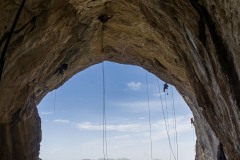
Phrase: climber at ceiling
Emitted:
{"points": [[165, 87], [192, 121], [62, 69], [104, 18]]}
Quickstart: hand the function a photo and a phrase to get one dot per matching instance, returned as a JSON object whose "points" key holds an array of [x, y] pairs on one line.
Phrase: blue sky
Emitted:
{"points": [[73, 131]]}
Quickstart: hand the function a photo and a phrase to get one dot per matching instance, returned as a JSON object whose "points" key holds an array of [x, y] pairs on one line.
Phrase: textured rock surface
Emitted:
{"points": [[194, 45], [21, 140]]}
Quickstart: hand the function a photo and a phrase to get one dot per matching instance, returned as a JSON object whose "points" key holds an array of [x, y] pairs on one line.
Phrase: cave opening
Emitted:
{"points": [[72, 117], [192, 45]]}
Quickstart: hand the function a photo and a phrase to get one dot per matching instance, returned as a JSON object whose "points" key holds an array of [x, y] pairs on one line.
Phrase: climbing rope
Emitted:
{"points": [[165, 122], [167, 118], [149, 117], [104, 141], [175, 121], [3, 55], [105, 148]]}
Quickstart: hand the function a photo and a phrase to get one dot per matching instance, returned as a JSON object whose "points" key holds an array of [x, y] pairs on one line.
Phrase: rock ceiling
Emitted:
{"points": [[192, 44]]}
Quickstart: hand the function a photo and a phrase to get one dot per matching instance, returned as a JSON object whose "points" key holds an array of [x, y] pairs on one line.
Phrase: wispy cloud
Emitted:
{"points": [[135, 85], [110, 159], [155, 104], [158, 127], [122, 143], [139, 134], [119, 127], [61, 121], [158, 94], [140, 106], [46, 113]]}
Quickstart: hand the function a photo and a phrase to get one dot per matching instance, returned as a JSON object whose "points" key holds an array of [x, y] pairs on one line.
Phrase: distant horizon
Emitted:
{"points": [[108, 159], [72, 117], [112, 159]]}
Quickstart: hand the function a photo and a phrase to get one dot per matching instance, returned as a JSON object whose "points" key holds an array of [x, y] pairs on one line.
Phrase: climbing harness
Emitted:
{"points": [[105, 147], [165, 121], [149, 117], [3, 55]]}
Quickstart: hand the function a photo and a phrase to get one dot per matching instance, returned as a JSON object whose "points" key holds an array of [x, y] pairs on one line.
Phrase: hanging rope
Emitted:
{"points": [[173, 124], [104, 141], [3, 55], [166, 109], [175, 121], [105, 148], [149, 117], [165, 122]]}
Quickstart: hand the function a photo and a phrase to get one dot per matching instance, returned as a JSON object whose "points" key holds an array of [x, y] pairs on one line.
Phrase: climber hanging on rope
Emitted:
{"points": [[165, 87], [62, 69], [192, 121], [104, 18]]}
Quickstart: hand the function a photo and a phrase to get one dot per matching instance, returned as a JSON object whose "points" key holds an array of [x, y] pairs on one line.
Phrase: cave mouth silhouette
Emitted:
{"points": [[129, 86], [189, 44]]}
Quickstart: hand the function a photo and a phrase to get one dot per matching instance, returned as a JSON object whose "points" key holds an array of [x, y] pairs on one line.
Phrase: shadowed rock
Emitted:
{"points": [[193, 45]]}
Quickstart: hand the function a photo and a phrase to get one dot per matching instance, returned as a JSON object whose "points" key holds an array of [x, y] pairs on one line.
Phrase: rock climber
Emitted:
{"points": [[104, 18], [165, 87], [62, 69], [192, 121]]}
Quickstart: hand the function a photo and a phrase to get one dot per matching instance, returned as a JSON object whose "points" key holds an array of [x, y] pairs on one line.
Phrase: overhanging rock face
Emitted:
{"points": [[194, 45]]}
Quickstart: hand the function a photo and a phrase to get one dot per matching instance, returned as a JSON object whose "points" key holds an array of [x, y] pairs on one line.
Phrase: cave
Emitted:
{"points": [[193, 45], [71, 117]]}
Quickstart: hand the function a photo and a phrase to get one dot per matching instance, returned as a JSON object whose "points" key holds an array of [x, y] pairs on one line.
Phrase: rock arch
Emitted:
{"points": [[193, 45]]}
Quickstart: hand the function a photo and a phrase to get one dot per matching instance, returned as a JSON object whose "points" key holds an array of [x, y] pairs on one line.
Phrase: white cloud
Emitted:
{"points": [[182, 126], [140, 106], [125, 144], [119, 127], [127, 140], [89, 126], [61, 121], [155, 104], [46, 113], [158, 94], [110, 159], [134, 85], [158, 127]]}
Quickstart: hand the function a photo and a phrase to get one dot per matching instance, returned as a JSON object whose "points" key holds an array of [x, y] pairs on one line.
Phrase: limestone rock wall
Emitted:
{"points": [[192, 44], [21, 140]]}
